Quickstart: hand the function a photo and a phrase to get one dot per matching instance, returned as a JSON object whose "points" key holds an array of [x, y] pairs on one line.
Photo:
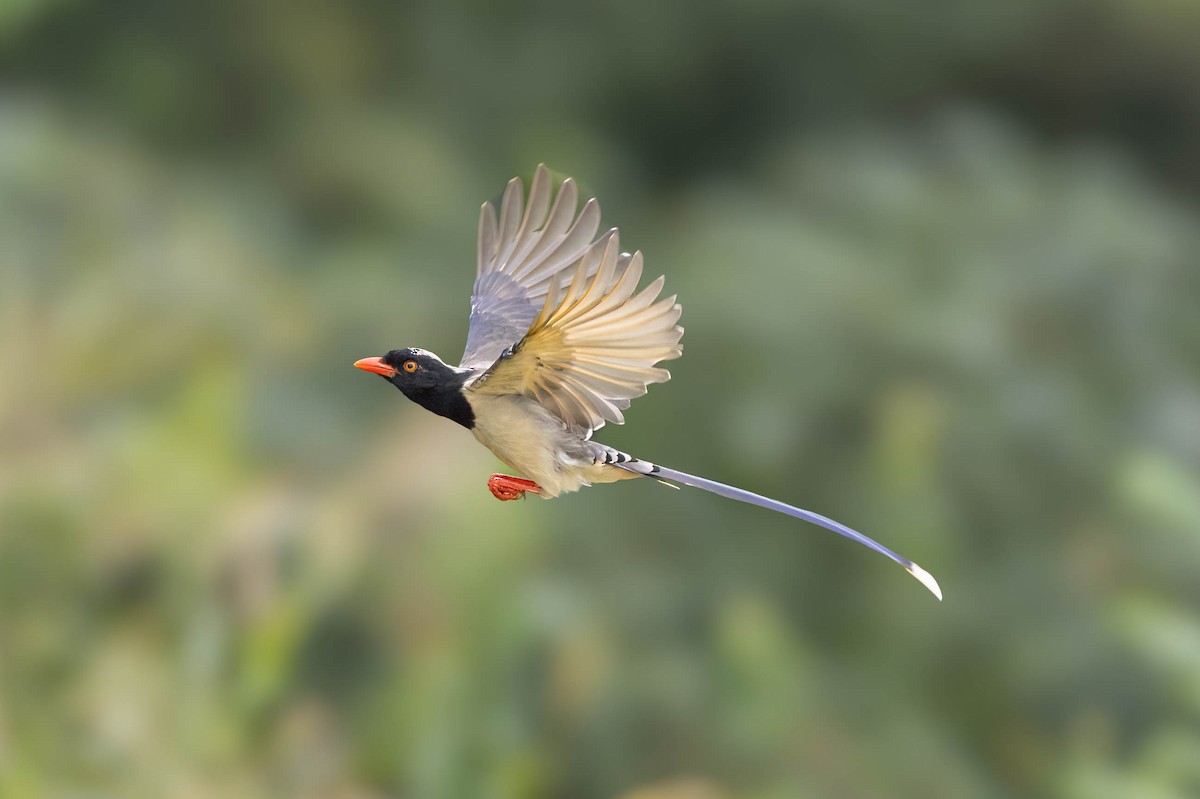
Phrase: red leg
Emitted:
{"points": [[504, 487]]}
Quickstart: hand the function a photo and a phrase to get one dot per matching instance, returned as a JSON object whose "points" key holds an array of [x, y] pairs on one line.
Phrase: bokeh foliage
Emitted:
{"points": [[940, 265]]}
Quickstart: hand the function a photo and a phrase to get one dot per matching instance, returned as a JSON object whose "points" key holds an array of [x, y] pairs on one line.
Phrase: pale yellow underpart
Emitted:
{"points": [[534, 442]]}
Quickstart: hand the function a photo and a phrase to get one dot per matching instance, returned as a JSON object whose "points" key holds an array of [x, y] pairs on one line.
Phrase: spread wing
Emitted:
{"points": [[588, 354], [520, 259]]}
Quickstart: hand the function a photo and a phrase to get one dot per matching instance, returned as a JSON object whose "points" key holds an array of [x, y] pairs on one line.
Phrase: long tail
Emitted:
{"points": [[741, 495]]}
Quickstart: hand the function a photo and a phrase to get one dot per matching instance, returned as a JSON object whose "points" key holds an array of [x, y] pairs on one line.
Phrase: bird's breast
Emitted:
{"points": [[531, 440]]}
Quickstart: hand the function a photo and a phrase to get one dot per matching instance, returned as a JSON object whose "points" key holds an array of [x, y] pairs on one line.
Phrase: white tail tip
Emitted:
{"points": [[926, 580]]}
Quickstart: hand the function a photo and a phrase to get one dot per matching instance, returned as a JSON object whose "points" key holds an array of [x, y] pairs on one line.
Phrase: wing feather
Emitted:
{"points": [[534, 220], [488, 236], [521, 256], [510, 218], [593, 346]]}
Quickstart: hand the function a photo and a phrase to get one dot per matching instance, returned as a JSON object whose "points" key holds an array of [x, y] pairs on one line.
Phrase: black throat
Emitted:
{"points": [[446, 400]]}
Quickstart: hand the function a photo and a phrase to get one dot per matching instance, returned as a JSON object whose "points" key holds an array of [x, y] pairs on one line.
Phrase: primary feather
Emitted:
{"points": [[520, 257], [591, 352]]}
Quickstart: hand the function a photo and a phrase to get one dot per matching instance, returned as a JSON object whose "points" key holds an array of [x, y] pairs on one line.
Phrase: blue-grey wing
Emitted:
{"points": [[521, 256], [591, 352]]}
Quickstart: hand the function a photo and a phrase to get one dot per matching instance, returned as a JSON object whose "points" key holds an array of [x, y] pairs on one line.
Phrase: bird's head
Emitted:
{"points": [[411, 370], [426, 380]]}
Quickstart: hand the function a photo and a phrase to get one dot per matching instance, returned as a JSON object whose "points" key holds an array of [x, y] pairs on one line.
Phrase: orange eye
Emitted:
{"points": [[410, 366]]}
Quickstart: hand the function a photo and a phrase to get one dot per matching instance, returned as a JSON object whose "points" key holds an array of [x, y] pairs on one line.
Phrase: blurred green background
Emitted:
{"points": [[940, 270]]}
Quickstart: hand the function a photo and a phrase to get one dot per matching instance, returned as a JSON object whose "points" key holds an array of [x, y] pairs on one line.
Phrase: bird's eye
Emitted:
{"points": [[410, 366]]}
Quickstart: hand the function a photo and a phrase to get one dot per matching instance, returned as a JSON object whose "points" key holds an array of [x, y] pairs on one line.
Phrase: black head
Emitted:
{"points": [[426, 380]]}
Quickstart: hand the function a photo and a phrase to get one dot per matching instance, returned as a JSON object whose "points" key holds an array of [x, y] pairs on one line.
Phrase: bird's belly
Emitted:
{"points": [[532, 441]]}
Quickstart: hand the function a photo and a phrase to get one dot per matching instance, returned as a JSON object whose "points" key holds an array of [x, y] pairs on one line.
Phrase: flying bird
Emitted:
{"points": [[560, 341]]}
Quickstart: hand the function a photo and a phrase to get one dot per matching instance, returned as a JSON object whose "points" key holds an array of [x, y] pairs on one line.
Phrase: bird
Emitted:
{"points": [[560, 340]]}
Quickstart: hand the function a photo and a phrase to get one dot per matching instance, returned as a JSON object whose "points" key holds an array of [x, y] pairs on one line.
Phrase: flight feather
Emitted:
{"points": [[520, 257], [593, 347]]}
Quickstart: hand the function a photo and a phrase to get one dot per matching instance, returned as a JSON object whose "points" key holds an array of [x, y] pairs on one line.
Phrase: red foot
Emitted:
{"points": [[505, 488]]}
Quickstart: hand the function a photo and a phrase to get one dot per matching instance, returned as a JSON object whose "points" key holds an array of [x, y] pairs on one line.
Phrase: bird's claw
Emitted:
{"points": [[504, 494], [505, 488]]}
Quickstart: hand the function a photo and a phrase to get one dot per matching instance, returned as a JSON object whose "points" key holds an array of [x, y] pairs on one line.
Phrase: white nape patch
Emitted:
{"points": [[417, 351]]}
